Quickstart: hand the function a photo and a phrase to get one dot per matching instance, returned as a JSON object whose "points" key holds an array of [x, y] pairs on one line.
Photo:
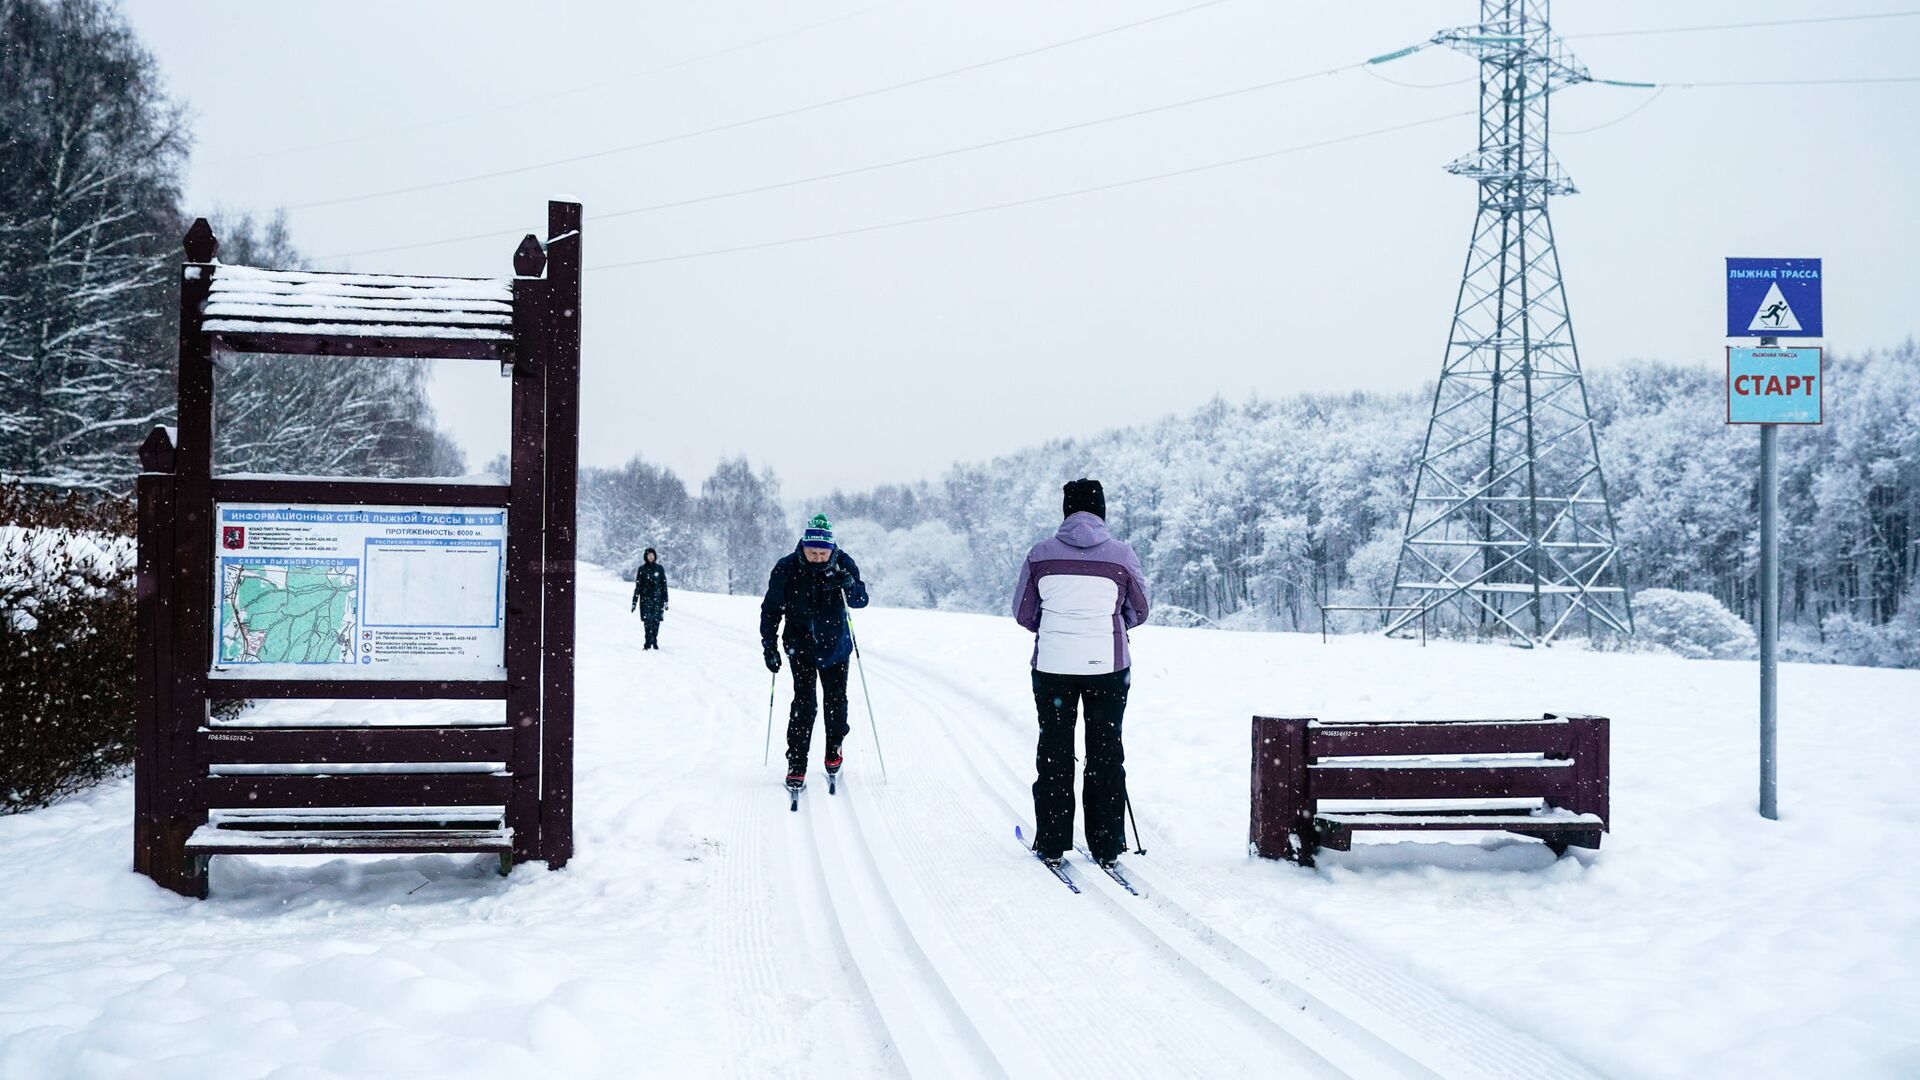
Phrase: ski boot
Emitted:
{"points": [[832, 763]]}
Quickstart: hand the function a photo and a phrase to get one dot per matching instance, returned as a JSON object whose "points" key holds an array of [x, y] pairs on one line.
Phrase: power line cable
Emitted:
{"points": [[1659, 88], [764, 117], [1622, 118], [1747, 25], [1415, 85], [1036, 199], [1792, 82], [535, 99], [878, 166]]}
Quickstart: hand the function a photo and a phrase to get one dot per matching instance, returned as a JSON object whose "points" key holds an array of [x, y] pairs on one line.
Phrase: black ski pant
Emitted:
{"points": [[1104, 788], [653, 633], [833, 682]]}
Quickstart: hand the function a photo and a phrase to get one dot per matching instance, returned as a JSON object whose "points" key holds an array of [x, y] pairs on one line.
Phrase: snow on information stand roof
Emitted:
{"points": [[246, 301]]}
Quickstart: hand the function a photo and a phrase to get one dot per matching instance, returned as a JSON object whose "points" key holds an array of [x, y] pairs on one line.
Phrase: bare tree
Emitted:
{"points": [[90, 152]]}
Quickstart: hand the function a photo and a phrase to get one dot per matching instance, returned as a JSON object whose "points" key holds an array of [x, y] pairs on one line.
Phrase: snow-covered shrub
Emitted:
{"points": [[1692, 624], [1851, 640], [67, 633], [1175, 615]]}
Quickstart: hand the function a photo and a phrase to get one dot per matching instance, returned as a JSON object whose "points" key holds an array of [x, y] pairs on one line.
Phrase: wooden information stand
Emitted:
{"points": [[395, 784]]}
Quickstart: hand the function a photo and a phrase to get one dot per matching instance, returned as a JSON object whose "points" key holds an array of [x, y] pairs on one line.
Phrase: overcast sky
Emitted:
{"points": [[886, 355]]}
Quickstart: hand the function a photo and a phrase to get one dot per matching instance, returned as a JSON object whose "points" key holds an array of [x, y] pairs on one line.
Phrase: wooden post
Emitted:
{"points": [[562, 372], [1280, 822], [1590, 767], [179, 804], [153, 592], [525, 524]]}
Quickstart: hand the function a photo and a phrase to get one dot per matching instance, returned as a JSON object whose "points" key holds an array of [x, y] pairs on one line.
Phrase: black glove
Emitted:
{"points": [[773, 658], [839, 577]]}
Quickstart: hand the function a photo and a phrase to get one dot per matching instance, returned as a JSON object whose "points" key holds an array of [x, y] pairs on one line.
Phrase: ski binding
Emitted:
{"points": [[1112, 870], [1058, 867]]}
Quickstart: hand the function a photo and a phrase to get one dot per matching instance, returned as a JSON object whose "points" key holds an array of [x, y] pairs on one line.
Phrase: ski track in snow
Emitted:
{"points": [[703, 930], [1190, 1010], [912, 865], [1390, 1020]]}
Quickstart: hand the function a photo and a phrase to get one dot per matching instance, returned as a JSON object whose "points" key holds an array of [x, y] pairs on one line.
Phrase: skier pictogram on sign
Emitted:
{"points": [[1775, 315], [1773, 298]]}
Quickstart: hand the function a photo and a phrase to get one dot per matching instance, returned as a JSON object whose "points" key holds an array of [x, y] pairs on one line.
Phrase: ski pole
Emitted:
{"points": [[1138, 847], [773, 689], [864, 692]]}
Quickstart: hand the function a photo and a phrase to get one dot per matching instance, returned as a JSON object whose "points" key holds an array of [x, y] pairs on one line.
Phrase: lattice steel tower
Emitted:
{"points": [[1510, 530]]}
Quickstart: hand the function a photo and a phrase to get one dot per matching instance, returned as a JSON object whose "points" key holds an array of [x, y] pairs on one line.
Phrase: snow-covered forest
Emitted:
{"points": [[1249, 515], [1252, 515], [92, 152]]}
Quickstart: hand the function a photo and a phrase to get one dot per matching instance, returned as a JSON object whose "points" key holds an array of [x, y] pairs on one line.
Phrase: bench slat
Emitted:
{"points": [[208, 840], [1338, 782], [1489, 822], [321, 341], [382, 789], [335, 745], [373, 817], [1493, 737]]}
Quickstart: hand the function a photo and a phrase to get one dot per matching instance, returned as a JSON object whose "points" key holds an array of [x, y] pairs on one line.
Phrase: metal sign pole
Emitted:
{"points": [[1770, 386], [1769, 615], [1769, 612]]}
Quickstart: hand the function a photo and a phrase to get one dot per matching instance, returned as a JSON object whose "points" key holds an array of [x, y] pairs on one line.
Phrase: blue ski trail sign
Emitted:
{"points": [[1773, 298]]}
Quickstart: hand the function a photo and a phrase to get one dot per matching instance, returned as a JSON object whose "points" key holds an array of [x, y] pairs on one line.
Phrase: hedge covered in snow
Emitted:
{"points": [[67, 640]]}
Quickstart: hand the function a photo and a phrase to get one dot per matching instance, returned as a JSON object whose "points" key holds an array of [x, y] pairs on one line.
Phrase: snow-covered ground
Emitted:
{"points": [[703, 930]]}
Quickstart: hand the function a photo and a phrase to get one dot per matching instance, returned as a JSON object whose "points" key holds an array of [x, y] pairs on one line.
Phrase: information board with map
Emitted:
{"points": [[359, 592]]}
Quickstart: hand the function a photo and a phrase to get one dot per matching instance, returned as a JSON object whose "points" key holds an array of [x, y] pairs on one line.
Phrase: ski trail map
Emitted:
{"points": [[287, 612]]}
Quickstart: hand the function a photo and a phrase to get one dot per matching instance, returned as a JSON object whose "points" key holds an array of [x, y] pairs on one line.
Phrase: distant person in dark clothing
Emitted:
{"points": [[812, 588], [1080, 591], [650, 596]]}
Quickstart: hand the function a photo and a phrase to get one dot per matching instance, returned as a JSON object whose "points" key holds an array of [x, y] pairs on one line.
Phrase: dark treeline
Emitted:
{"points": [[724, 538], [91, 156], [1253, 515]]}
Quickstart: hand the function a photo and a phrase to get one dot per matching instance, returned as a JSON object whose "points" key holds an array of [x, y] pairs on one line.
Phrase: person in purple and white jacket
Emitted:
{"points": [[1080, 592]]}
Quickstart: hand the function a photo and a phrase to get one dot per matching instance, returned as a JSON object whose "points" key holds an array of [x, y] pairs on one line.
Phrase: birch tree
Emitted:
{"points": [[90, 153]]}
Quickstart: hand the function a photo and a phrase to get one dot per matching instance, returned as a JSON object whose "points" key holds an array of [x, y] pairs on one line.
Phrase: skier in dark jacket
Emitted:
{"points": [[650, 596], [1080, 591], [812, 588]]}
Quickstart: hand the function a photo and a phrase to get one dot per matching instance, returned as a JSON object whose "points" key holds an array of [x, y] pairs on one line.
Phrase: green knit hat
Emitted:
{"points": [[819, 533]]}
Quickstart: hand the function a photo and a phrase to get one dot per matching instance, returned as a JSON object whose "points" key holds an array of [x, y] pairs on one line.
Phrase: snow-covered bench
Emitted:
{"points": [[1316, 783]]}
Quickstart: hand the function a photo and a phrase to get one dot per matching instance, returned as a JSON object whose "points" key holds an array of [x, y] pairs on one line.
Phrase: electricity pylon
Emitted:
{"points": [[1510, 530]]}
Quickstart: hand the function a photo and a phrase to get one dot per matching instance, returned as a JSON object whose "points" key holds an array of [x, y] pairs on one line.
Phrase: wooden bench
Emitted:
{"points": [[1316, 783]]}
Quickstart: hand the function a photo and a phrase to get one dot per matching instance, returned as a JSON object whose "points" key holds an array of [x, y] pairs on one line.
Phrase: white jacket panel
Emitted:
{"points": [[1077, 615]]}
